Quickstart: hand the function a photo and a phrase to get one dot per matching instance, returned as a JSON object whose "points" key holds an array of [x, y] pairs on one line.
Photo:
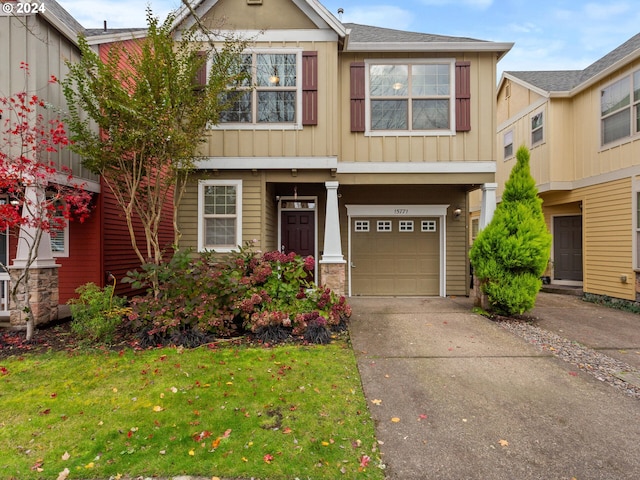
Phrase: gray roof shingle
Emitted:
{"points": [[566, 80], [366, 33], [65, 17]]}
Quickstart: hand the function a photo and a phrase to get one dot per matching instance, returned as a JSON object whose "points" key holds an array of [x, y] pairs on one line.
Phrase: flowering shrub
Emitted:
{"points": [[246, 291]]}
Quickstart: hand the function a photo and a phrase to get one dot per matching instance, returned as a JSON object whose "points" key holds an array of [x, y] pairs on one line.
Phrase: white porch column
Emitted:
{"points": [[332, 245], [332, 264], [488, 204], [34, 196]]}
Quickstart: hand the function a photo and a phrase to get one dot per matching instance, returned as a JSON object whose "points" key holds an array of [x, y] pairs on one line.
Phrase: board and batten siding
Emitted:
{"points": [[477, 144], [32, 40], [319, 139]]}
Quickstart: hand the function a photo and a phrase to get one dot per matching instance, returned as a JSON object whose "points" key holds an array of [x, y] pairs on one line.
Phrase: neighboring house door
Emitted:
{"points": [[567, 248], [395, 256], [298, 232]]}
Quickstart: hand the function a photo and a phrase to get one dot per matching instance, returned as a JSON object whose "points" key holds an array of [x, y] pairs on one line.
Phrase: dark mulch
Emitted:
{"points": [[58, 337]]}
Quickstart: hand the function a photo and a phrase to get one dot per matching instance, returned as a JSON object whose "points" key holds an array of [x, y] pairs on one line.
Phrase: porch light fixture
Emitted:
{"points": [[457, 212]]}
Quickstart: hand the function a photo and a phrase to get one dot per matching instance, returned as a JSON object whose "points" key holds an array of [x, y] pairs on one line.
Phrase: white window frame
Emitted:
{"points": [[537, 128], [384, 226], [255, 125], [507, 141], [361, 226], [451, 62], [405, 226], [428, 226], [202, 184], [632, 108]]}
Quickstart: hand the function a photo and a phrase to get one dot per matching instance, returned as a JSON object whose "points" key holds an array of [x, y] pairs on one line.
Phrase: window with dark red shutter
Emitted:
{"points": [[358, 123], [309, 88], [463, 96], [201, 75]]}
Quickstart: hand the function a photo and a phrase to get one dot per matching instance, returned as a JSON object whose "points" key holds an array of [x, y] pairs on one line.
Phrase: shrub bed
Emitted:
{"points": [[268, 295]]}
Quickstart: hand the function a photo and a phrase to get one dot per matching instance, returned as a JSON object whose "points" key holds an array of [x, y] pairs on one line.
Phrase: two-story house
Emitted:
{"points": [[357, 145], [583, 130], [46, 39]]}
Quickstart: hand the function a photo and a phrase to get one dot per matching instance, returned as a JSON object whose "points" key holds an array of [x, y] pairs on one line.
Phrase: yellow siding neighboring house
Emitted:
{"points": [[582, 129]]}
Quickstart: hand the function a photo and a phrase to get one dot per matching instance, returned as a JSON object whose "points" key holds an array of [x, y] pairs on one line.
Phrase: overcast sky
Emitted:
{"points": [[548, 34]]}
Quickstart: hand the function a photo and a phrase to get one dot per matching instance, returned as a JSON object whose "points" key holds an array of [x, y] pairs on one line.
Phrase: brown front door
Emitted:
{"points": [[298, 233], [567, 248]]}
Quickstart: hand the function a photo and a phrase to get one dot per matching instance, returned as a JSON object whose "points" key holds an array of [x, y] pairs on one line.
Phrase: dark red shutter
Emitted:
{"points": [[357, 97], [309, 88], [201, 75], [463, 96]]}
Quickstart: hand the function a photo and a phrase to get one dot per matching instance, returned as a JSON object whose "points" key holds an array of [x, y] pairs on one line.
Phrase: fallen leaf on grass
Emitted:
{"points": [[192, 452], [158, 408], [63, 474], [268, 458], [66, 456]]}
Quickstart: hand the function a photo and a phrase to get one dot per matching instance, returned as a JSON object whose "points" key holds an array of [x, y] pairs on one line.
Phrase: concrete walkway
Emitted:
{"points": [[455, 396]]}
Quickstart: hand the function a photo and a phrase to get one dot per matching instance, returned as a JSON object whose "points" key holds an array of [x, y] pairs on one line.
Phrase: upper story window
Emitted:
{"points": [[411, 97], [508, 144], [620, 109], [537, 128], [272, 91]]}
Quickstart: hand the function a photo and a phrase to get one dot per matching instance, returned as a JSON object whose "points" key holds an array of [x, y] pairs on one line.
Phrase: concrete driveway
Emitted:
{"points": [[455, 396]]}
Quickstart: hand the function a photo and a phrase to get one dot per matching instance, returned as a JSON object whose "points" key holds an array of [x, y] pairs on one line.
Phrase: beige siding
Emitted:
{"points": [[32, 40], [317, 140], [476, 145], [608, 239], [252, 198], [271, 15]]}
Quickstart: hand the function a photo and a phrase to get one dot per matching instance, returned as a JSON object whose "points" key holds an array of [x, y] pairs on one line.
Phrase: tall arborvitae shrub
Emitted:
{"points": [[512, 252]]}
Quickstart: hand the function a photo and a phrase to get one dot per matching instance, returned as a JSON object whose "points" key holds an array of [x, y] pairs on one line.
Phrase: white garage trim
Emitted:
{"points": [[439, 211]]}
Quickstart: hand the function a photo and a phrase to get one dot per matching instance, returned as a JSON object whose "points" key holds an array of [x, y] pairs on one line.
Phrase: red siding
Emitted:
{"points": [[117, 252], [358, 122], [309, 88], [463, 96], [83, 264]]}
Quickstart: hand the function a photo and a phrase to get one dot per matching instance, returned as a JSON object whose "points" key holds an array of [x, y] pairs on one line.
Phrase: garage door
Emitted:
{"points": [[395, 256]]}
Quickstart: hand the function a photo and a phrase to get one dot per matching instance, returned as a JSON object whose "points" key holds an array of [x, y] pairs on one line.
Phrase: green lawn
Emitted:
{"points": [[238, 412]]}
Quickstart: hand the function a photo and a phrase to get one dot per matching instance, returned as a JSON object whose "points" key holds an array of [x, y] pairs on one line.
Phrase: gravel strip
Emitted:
{"points": [[603, 367]]}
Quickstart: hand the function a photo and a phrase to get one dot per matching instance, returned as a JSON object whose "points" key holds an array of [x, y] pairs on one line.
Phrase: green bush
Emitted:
{"points": [[97, 313], [512, 252]]}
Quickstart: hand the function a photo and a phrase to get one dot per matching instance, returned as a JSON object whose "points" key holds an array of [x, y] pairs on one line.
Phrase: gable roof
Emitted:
{"points": [[570, 82], [313, 8], [62, 20], [363, 38]]}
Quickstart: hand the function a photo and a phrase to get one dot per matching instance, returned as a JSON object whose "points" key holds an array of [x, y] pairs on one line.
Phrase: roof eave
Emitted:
{"points": [[67, 32], [525, 84], [111, 37], [606, 72], [500, 48]]}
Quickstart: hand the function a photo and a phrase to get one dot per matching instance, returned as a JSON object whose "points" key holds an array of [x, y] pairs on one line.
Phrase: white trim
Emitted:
{"points": [[289, 35], [417, 167], [439, 211], [315, 225], [266, 163], [210, 182], [502, 48], [253, 92], [590, 181], [451, 131], [109, 37]]}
